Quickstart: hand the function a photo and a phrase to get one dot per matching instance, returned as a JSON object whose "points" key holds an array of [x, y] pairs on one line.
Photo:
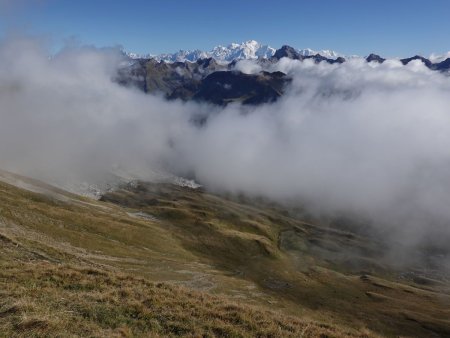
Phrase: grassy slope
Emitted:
{"points": [[297, 264], [41, 298], [75, 267], [87, 267]]}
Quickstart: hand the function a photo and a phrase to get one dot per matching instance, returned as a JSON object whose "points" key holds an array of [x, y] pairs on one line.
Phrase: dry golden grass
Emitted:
{"points": [[70, 266], [44, 299], [285, 257]]}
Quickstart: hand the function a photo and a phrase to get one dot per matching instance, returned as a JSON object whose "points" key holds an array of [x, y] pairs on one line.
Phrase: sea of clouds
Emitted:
{"points": [[359, 138]]}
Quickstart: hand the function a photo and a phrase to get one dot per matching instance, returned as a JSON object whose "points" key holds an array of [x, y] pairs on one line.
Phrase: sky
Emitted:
{"points": [[390, 28]]}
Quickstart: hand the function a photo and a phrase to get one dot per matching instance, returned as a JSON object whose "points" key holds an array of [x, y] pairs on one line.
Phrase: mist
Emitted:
{"points": [[357, 138]]}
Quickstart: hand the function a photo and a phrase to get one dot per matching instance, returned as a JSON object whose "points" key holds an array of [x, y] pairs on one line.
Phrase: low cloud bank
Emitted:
{"points": [[366, 139]]}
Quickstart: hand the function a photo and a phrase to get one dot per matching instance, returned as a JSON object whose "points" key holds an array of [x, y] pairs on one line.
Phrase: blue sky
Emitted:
{"points": [[391, 28]]}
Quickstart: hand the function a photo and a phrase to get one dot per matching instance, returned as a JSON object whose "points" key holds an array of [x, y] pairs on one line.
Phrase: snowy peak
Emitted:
{"points": [[329, 54], [182, 56], [248, 50]]}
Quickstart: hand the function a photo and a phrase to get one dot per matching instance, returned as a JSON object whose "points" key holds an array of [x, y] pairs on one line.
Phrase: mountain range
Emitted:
{"points": [[248, 50], [214, 77]]}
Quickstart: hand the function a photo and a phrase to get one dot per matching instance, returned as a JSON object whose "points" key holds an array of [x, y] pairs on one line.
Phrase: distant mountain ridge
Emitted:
{"points": [[248, 50], [253, 50], [216, 78]]}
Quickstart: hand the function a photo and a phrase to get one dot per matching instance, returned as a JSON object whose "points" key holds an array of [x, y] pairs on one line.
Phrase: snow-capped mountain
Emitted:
{"points": [[182, 56], [249, 50], [329, 54]]}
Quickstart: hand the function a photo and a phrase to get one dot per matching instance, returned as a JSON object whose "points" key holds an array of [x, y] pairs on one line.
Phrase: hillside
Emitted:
{"points": [[162, 260]]}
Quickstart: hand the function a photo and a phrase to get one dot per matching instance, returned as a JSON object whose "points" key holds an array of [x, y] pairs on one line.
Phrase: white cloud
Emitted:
{"points": [[362, 138], [247, 67], [439, 57]]}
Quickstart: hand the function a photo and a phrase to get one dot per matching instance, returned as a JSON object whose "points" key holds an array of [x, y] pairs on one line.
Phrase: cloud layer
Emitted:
{"points": [[366, 139]]}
